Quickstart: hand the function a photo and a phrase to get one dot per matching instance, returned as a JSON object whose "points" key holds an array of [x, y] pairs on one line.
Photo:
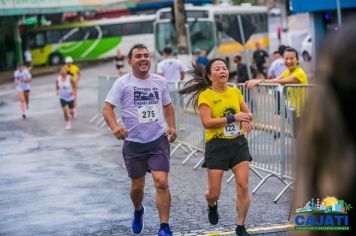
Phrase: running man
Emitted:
{"points": [[22, 80], [74, 71], [66, 89], [145, 104]]}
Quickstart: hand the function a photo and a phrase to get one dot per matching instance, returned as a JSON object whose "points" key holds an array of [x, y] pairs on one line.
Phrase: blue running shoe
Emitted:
{"points": [[165, 231], [137, 222]]}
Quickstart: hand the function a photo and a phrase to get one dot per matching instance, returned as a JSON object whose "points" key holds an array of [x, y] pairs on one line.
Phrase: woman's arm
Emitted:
{"points": [[210, 122]]}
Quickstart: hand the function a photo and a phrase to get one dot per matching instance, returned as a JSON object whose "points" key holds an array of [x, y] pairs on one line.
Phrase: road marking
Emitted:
{"points": [[257, 229]]}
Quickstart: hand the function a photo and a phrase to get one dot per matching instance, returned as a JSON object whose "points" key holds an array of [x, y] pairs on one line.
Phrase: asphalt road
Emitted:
{"points": [[58, 182]]}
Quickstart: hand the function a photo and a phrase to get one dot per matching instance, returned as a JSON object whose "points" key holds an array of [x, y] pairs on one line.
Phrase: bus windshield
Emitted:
{"points": [[201, 36]]}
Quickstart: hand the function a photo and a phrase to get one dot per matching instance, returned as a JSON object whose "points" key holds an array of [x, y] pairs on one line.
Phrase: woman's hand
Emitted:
{"points": [[252, 83], [246, 126], [242, 116]]}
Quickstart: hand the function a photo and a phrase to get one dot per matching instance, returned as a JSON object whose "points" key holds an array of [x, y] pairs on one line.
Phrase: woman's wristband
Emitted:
{"points": [[230, 119]]}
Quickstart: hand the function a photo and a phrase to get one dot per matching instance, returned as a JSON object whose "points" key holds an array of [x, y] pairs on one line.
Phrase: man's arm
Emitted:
{"points": [[182, 75], [168, 111], [110, 118]]}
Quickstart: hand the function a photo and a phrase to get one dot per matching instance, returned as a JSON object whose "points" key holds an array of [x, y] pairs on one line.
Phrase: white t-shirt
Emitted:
{"points": [[171, 69], [140, 103], [20, 80], [65, 88], [277, 68], [28, 56]]}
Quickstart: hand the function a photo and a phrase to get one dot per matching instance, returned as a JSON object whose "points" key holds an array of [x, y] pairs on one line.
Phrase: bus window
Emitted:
{"points": [[53, 36], [70, 35], [38, 40], [201, 35], [111, 30], [91, 32], [166, 37]]}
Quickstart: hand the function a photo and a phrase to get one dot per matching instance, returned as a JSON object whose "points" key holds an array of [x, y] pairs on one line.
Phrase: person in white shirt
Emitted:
{"points": [[28, 59], [171, 69], [22, 80], [66, 90], [145, 108]]}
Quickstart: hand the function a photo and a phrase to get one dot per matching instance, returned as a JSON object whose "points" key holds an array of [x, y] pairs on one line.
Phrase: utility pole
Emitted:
{"points": [[181, 28]]}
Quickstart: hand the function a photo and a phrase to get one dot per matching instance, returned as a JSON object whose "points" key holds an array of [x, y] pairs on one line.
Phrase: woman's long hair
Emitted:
{"points": [[200, 81]]}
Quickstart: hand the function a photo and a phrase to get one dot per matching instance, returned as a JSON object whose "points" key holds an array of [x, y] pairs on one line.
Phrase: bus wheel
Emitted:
{"points": [[55, 59]]}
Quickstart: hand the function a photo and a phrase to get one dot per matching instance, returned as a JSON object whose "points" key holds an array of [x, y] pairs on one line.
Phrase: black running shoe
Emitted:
{"points": [[213, 214], [24, 116], [241, 231]]}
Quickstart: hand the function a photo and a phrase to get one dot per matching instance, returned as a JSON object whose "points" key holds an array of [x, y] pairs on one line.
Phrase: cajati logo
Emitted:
{"points": [[327, 214]]}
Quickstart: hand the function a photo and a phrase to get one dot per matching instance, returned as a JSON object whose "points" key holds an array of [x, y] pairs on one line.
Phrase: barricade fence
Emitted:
{"points": [[276, 113]]}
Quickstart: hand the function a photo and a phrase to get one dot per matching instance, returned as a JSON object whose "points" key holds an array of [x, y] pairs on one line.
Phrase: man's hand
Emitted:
{"points": [[171, 134], [120, 133]]}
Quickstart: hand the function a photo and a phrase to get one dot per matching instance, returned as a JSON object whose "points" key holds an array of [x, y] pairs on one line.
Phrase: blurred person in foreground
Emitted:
{"points": [[326, 151]]}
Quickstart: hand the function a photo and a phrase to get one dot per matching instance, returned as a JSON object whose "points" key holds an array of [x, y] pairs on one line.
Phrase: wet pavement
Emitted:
{"points": [[58, 182]]}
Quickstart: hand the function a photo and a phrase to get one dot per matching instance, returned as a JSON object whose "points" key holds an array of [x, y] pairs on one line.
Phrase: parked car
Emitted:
{"points": [[307, 48]]}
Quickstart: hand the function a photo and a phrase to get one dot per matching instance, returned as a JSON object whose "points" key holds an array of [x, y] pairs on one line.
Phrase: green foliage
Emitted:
{"points": [[238, 2]]}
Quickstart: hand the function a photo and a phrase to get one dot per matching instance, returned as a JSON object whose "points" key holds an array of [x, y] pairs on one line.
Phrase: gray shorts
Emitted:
{"points": [[143, 157]]}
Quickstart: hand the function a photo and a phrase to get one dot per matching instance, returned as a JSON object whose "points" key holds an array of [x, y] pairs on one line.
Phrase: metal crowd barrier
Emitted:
{"points": [[104, 85], [190, 132], [276, 111]]}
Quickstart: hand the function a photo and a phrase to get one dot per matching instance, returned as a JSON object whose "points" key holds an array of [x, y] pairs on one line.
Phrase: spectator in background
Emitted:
{"points": [[197, 52], [278, 66], [260, 59], [119, 61], [28, 58], [171, 69], [203, 59], [279, 34], [22, 80], [276, 55], [326, 151], [241, 70]]}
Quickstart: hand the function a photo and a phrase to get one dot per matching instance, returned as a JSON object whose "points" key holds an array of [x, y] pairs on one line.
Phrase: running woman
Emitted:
{"points": [[22, 80], [66, 89], [226, 117]]}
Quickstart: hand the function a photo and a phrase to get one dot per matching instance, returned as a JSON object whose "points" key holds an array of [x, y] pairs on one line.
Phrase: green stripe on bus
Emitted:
{"points": [[79, 49]]}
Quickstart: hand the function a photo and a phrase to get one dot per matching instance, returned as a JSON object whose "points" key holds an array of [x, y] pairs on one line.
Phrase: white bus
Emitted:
{"points": [[90, 40], [215, 29]]}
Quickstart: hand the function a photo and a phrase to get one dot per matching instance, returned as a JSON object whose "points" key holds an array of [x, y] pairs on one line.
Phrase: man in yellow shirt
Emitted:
{"points": [[74, 71]]}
